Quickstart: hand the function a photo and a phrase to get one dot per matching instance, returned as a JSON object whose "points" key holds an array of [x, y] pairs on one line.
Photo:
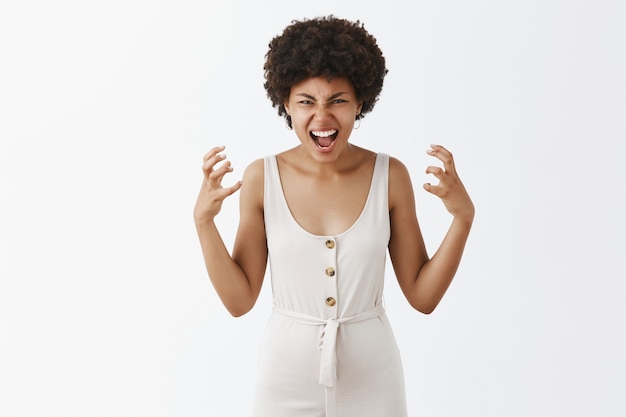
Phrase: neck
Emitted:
{"points": [[346, 161]]}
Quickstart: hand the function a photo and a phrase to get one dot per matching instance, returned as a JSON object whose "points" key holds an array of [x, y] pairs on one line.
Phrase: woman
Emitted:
{"points": [[325, 213]]}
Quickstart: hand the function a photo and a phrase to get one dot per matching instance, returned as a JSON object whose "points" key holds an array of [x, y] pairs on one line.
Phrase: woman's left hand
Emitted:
{"points": [[450, 188]]}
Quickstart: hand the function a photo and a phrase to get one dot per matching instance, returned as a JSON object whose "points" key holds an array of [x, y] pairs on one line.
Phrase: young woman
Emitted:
{"points": [[325, 213]]}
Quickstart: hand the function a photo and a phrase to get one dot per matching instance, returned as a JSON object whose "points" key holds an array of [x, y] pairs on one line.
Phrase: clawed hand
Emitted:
{"points": [[450, 188], [212, 194]]}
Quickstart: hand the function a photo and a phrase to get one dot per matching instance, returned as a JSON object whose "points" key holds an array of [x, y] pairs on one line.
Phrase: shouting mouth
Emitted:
{"points": [[324, 139]]}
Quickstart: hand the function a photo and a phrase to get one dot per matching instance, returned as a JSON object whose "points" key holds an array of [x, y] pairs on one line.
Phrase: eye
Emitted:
{"points": [[305, 102], [339, 101]]}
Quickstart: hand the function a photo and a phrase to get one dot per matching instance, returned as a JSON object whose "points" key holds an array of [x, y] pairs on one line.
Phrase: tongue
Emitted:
{"points": [[325, 142]]}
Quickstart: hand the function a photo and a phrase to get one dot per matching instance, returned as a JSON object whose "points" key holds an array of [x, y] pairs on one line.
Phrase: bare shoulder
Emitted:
{"points": [[397, 168], [252, 183], [254, 171], [400, 186]]}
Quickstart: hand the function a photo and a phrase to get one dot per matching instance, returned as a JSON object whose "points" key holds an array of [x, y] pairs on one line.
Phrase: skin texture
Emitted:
{"points": [[326, 188]]}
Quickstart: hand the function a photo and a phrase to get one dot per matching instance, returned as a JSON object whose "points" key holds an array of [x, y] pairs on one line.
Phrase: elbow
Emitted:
{"points": [[424, 308], [238, 305], [425, 301], [238, 310]]}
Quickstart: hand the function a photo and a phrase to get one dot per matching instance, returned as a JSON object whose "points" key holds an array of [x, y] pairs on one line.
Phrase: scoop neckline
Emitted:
{"points": [[352, 226]]}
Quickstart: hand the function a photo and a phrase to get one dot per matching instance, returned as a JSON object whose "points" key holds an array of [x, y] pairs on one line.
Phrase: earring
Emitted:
{"points": [[357, 124]]}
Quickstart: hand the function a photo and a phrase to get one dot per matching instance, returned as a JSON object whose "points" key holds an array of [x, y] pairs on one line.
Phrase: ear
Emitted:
{"points": [[359, 107], [286, 104]]}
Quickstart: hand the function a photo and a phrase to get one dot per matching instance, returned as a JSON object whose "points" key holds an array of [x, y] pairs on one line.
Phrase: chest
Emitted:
{"points": [[330, 206]]}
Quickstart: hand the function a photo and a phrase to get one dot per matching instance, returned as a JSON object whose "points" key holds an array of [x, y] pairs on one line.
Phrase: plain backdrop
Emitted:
{"points": [[106, 109]]}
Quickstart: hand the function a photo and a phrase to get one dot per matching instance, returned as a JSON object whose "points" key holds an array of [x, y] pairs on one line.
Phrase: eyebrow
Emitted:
{"points": [[334, 96]]}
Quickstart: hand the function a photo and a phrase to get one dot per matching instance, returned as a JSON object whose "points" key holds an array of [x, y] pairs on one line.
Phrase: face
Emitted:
{"points": [[323, 113]]}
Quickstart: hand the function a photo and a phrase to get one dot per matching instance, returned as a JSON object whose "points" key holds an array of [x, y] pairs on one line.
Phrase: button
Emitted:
{"points": [[330, 244], [330, 271], [330, 301]]}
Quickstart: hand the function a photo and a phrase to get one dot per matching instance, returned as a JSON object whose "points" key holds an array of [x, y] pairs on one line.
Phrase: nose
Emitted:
{"points": [[321, 111]]}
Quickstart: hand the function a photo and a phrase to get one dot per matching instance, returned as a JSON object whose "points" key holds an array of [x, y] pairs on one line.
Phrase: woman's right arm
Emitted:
{"points": [[237, 279]]}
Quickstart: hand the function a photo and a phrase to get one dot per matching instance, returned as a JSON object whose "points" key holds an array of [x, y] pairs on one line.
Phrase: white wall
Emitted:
{"points": [[106, 109]]}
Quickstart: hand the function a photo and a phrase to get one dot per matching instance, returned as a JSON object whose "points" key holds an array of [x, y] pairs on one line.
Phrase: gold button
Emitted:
{"points": [[330, 271], [330, 301], [330, 244]]}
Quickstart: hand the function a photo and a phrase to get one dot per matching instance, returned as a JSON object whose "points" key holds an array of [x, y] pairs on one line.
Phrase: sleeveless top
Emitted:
{"points": [[307, 269], [322, 286]]}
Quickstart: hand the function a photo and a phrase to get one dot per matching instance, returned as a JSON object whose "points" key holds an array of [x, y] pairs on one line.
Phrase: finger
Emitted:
{"points": [[213, 152], [444, 156], [436, 171], [217, 174], [434, 189], [233, 188], [430, 188], [209, 164], [228, 191]]}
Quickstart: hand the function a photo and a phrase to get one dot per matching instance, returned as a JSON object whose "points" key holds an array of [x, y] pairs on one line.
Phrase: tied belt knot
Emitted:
{"points": [[328, 337]]}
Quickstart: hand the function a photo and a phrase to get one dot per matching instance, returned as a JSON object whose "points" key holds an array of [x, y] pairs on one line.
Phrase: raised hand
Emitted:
{"points": [[450, 189], [212, 193]]}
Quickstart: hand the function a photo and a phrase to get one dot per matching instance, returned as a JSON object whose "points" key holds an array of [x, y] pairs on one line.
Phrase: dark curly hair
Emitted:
{"points": [[324, 47]]}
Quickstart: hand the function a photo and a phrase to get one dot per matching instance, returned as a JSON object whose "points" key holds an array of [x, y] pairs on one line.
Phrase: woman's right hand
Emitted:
{"points": [[212, 194]]}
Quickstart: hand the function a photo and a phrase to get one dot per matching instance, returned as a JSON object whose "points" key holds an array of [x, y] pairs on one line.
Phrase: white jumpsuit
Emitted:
{"points": [[328, 350]]}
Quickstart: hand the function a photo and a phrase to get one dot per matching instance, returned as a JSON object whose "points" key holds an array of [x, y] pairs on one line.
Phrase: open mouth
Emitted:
{"points": [[324, 139]]}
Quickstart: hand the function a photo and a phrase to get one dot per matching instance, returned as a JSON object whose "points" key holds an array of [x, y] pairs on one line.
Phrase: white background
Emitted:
{"points": [[106, 109]]}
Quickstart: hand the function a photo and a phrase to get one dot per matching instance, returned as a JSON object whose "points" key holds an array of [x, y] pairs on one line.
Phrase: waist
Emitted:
{"points": [[307, 319], [328, 336]]}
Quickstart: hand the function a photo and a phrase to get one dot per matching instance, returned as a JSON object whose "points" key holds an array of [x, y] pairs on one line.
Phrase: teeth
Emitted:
{"points": [[324, 134]]}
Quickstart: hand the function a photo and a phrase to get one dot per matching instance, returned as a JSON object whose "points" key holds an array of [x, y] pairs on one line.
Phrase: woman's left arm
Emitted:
{"points": [[424, 281]]}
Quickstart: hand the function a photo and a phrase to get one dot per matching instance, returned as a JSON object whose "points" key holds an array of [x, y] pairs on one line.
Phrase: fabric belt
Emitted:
{"points": [[328, 337]]}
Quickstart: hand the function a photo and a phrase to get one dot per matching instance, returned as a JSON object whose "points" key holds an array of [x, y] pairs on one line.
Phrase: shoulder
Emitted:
{"points": [[400, 186], [252, 186], [255, 170], [397, 171]]}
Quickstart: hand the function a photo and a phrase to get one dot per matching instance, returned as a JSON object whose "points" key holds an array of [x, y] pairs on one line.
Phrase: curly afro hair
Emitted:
{"points": [[324, 47]]}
